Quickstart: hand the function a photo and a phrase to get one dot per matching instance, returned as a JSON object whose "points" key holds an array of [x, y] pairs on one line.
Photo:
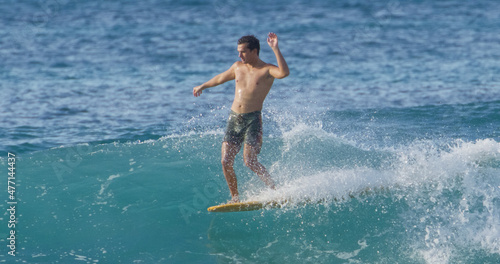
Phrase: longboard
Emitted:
{"points": [[244, 206]]}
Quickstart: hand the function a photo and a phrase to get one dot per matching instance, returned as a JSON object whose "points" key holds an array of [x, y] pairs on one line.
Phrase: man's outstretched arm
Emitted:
{"points": [[282, 70], [217, 80]]}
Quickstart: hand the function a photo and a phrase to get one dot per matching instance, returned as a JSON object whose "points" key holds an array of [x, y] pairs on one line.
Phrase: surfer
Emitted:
{"points": [[253, 80]]}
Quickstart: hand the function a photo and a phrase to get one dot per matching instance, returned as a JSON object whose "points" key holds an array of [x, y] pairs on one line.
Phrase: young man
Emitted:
{"points": [[253, 80]]}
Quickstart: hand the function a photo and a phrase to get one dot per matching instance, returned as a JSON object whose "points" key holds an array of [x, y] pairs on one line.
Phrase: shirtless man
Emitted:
{"points": [[253, 80]]}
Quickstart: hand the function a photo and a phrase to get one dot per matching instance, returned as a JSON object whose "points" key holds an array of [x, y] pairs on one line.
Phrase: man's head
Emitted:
{"points": [[251, 41], [248, 49]]}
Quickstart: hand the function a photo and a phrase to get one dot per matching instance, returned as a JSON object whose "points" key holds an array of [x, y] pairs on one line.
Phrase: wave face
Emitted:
{"points": [[86, 71], [428, 199]]}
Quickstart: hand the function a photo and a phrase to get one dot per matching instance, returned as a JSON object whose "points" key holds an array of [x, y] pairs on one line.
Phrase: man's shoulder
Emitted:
{"points": [[235, 66]]}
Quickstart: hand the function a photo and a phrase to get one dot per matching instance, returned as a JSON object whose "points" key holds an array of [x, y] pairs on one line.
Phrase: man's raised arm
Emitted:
{"points": [[282, 70], [217, 80]]}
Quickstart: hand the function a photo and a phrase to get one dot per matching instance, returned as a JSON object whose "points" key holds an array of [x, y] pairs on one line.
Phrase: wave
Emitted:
{"points": [[431, 201], [438, 201]]}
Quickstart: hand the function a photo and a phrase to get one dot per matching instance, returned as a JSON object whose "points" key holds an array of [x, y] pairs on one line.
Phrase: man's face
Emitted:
{"points": [[245, 54]]}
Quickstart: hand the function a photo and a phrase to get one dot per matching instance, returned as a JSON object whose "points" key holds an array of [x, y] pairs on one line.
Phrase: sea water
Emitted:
{"points": [[384, 140]]}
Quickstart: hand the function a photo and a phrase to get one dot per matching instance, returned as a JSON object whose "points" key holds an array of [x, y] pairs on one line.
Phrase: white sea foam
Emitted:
{"points": [[106, 184], [452, 190]]}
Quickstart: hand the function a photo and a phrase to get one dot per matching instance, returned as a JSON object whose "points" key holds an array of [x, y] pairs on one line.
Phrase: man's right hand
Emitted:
{"points": [[197, 91]]}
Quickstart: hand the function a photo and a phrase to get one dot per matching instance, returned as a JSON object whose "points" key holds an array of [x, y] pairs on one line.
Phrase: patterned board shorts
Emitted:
{"points": [[245, 128]]}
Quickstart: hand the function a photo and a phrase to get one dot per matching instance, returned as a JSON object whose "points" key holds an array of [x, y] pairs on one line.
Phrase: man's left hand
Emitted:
{"points": [[272, 40]]}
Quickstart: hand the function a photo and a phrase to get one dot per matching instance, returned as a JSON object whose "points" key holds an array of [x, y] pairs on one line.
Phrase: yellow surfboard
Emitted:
{"points": [[244, 206]]}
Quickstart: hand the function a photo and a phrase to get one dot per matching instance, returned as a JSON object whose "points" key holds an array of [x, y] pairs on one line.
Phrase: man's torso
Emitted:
{"points": [[252, 84]]}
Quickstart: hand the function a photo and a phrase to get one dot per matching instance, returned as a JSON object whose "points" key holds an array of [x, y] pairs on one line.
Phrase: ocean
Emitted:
{"points": [[384, 140]]}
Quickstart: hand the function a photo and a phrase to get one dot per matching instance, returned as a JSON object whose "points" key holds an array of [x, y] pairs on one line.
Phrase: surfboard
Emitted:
{"points": [[244, 206]]}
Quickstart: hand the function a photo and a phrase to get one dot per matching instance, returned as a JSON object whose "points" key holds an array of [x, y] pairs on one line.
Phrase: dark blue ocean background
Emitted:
{"points": [[384, 139]]}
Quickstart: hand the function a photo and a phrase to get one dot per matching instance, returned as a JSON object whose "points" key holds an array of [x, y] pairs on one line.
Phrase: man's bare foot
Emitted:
{"points": [[235, 199]]}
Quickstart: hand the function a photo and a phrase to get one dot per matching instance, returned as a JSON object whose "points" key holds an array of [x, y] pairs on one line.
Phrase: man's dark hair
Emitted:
{"points": [[252, 42]]}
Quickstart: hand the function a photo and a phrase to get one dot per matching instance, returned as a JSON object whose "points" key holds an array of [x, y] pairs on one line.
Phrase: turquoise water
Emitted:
{"points": [[384, 140]]}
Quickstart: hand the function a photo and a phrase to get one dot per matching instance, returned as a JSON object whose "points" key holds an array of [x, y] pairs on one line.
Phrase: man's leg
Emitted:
{"points": [[250, 157], [229, 151]]}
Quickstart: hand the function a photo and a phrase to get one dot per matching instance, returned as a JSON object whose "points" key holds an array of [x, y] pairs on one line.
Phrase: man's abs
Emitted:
{"points": [[247, 100], [245, 108]]}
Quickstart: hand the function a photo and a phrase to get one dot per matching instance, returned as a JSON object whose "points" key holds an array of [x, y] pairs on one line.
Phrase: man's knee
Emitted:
{"points": [[250, 160], [229, 152], [227, 162], [250, 156]]}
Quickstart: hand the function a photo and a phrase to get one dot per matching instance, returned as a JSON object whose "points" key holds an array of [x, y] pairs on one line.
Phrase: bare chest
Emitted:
{"points": [[252, 78]]}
